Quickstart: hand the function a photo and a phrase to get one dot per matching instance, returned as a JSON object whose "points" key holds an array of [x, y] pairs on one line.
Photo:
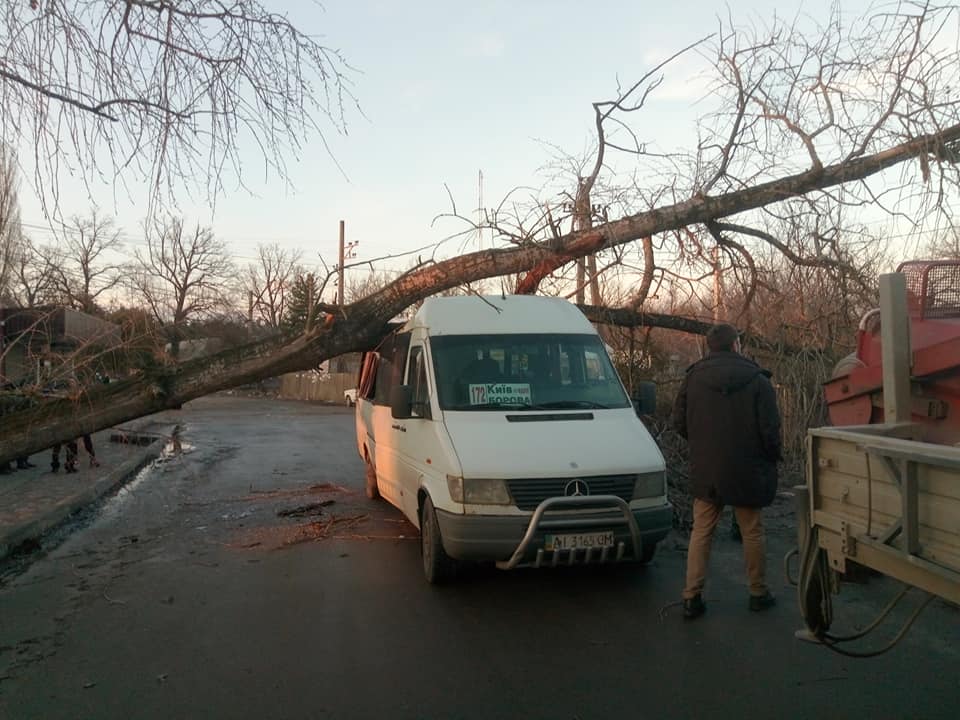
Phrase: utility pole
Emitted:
{"points": [[481, 214], [581, 219], [340, 266], [311, 304], [347, 250], [250, 313]]}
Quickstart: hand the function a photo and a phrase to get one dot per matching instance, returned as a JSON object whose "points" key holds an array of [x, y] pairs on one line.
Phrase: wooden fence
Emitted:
{"points": [[327, 388]]}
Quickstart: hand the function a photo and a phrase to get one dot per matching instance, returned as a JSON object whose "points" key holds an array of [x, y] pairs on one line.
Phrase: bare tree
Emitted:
{"points": [[788, 104], [10, 239], [268, 282], [807, 123], [170, 90], [35, 275], [181, 275], [946, 246], [359, 286], [85, 261]]}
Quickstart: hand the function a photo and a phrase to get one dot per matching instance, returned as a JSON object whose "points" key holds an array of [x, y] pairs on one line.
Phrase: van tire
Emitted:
{"points": [[438, 567], [373, 492]]}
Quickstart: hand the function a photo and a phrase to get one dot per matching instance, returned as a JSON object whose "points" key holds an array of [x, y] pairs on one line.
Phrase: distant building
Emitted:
{"points": [[348, 363], [196, 347], [30, 337]]}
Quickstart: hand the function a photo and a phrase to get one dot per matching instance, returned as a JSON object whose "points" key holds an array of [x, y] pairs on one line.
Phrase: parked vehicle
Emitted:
{"points": [[854, 395], [883, 484], [350, 397], [500, 428]]}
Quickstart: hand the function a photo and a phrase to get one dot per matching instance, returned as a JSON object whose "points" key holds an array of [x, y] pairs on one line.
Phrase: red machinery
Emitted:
{"points": [[855, 394]]}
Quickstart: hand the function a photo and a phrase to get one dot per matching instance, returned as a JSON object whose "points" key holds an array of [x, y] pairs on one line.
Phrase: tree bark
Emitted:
{"points": [[358, 326]]}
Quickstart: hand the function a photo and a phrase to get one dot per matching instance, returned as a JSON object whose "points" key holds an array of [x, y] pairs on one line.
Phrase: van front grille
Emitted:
{"points": [[529, 492]]}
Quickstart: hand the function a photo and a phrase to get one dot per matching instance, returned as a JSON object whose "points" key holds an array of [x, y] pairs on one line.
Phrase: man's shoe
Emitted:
{"points": [[694, 607], [54, 466], [762, 602], [94, 462], [68, 468]]}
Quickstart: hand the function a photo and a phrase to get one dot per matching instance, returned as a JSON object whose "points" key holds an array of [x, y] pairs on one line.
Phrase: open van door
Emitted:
{"points": [[386, 430]]}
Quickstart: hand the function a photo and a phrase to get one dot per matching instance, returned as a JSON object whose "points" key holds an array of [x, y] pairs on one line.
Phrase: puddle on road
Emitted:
{"points": [[175, 447], [114, 505], [108, 507]]}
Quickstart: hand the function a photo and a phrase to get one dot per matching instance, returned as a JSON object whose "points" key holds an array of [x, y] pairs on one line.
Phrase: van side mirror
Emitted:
{"points": [[645, 398], [401, 402]]}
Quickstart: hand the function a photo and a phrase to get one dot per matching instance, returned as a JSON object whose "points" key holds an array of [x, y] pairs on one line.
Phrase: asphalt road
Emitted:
{"points": [[187, 595]]}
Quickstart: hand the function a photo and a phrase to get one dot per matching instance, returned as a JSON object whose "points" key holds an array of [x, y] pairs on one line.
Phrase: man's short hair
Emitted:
{"points": [[722, 337]]}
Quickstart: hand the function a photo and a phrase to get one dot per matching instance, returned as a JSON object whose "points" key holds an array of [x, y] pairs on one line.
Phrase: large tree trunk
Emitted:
{"points": [[359, 325]]}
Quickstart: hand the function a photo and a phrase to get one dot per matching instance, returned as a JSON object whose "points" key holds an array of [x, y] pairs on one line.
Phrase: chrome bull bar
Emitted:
{"points": [[581, 502]]}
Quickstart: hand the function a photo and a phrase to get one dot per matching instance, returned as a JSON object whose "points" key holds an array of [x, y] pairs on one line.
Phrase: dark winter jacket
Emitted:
{"points": [[727, 411]]}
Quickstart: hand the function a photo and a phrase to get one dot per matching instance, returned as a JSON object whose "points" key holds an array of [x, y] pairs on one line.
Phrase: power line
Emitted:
{"points": [[140, 242]]}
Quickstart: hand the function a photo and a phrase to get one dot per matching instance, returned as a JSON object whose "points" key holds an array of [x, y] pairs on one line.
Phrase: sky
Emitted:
{"points": [[449, 90]]}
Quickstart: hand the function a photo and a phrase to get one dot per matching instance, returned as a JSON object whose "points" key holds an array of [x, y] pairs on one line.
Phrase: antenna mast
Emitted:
{"points": [[480, 218]]}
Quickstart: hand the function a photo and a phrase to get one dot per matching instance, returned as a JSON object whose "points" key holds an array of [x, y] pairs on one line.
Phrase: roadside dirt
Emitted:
{"points": [[282, 518]]}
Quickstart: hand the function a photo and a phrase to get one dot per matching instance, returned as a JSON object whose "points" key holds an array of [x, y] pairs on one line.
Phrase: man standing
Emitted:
{"points": [[727, 411]]}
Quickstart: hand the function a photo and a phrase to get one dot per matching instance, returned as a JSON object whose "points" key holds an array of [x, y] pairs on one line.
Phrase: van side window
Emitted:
{"points": [[366, 387], [385, 352], [417, 379], [393, 357]]}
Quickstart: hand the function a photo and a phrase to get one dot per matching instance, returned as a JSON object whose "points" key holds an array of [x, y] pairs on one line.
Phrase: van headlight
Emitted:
{"points": [[478, 491], [648, 485]]}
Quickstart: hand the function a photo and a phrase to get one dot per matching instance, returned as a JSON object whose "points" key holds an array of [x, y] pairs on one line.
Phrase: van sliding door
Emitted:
{"points": [[393, 361]]}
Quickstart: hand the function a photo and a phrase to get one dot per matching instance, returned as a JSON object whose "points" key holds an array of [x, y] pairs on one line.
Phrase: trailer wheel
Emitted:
{"points": [[815, 601], [438, 567]]}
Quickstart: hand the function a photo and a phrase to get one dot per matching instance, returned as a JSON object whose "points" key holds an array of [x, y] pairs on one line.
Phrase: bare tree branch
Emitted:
{"points": [[268, 282], [172, 90]]}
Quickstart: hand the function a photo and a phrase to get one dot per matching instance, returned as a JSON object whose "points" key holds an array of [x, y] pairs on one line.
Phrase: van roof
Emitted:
{"points": [[497, 314]]}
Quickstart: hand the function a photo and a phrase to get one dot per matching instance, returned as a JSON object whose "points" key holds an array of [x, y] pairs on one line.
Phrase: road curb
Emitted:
{"points": [[62, 511]]}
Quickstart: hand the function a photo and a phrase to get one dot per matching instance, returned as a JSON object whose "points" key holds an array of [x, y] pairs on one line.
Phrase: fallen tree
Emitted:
{"points": [[803, 123], [359, 325]]}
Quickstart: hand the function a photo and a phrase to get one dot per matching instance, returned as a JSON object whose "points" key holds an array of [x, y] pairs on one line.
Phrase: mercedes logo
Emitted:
{"points": [[576, 488]]}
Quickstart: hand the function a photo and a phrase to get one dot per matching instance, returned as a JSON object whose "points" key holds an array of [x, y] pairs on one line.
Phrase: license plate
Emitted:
{"points": [[579, 541]]}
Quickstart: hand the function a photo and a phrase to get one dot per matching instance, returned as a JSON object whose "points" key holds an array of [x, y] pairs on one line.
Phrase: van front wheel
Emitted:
{"points": [[438, 567]]}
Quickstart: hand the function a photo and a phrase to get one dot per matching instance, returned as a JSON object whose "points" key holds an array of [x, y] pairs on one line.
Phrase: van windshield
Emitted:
{"points": [[525, 372]]}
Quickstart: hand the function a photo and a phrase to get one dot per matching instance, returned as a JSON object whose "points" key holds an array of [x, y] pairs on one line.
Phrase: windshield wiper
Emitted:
{"points": [[493, 406], [570, 404]]}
